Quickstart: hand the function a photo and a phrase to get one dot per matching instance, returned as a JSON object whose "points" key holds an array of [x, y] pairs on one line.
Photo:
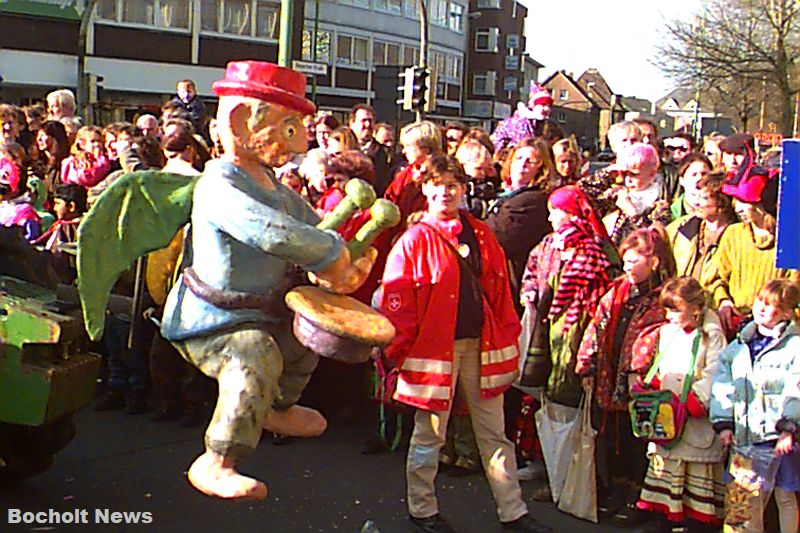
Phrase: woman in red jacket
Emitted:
{"points": [[446, 290]]}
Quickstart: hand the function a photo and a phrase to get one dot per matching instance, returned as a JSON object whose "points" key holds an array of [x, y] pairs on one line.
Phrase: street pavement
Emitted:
{"points": [[123, 463]]}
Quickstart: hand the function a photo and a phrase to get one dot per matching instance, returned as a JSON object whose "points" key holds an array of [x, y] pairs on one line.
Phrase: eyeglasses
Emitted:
{"points": [[453, 139], [677, 148]]}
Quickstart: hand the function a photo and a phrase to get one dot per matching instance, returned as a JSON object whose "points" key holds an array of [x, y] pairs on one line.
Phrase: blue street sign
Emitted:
{"points": [[788, 199]]}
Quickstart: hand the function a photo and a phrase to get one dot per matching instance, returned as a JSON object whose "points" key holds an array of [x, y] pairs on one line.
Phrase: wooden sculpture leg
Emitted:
{"points": [[216, 476], [296, 421]]}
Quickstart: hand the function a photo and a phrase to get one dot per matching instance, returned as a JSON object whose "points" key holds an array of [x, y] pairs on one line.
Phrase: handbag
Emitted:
{"points": [[579, 495], [752, 473], [384, 384], [537, 363], [660, 416], [558, 427]]}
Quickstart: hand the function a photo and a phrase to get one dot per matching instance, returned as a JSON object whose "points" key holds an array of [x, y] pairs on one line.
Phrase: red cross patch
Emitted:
{"points": [[394, 302]]}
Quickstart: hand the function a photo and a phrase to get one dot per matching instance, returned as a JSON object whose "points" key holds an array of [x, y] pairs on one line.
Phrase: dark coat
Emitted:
{"points": [[379, 154], [197, 110], [520, 222]]}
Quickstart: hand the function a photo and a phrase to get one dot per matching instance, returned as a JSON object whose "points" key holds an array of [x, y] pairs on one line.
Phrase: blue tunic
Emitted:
{"points": [[244, 238]]}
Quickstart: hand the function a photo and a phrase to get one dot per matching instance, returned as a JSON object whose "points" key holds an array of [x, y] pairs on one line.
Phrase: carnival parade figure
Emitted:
{"points": [[248, 235], [527, 121]]}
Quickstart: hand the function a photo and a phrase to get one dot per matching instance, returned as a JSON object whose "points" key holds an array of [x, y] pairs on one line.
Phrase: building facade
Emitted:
{"points": [[135, 49], [611, 109], [354, 37], [573, 110], [495, 59]]}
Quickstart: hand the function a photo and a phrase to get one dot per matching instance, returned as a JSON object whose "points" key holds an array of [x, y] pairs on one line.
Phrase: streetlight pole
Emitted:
{"points": [[314, 38], [423, 46], [81, 86], [285, 37]]}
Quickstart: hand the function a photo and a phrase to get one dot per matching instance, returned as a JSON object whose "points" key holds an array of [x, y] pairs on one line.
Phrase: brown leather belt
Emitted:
{"points": [[227, 299]]}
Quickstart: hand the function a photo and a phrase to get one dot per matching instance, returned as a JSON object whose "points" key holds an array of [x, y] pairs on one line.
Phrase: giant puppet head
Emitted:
{"points": [[260, 114], [540, 103]]}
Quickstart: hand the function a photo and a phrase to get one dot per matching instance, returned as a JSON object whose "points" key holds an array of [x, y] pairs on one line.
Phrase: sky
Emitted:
{"points": [[617, 37]]}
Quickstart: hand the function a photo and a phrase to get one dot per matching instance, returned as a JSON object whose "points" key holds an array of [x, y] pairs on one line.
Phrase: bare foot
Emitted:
{"points": [[215, 476], [296, 421]]}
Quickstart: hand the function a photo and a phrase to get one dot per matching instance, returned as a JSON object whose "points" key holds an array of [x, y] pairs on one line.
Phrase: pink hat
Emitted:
{"points": [[539, 96], [265, 81], [748, 184], [9, 174]]}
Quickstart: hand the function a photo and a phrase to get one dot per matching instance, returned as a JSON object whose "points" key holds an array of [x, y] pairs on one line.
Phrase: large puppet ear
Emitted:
{"points": [[238, 120]]}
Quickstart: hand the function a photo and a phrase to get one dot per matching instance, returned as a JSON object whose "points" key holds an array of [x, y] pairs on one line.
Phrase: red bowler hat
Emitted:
{"points": [[265, 81]]}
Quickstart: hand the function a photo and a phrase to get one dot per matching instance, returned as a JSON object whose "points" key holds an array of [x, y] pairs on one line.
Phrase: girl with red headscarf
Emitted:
{"points": [[565, 277]]}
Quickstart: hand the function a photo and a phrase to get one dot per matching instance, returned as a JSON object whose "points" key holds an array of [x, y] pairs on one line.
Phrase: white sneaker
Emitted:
{"points": [[532, 470]]}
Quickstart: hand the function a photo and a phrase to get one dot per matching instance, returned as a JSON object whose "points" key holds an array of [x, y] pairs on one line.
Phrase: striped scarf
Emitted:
{"points": [[583, 278]]}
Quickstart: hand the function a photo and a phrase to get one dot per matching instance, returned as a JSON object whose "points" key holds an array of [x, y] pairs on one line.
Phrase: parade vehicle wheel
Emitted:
{"points": [[28, 450]]}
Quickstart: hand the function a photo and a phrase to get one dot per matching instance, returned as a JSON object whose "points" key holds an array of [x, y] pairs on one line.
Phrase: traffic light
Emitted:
{"points": [[416, 88], [419, 88], [406, 85]]}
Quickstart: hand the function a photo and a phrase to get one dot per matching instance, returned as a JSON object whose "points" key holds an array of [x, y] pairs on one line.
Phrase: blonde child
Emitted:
{"points": [[756, 393], [684, 481], [88, 164]]}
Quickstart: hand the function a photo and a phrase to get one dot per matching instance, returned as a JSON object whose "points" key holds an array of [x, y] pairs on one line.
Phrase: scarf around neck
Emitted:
{"points": [[584, 277]]}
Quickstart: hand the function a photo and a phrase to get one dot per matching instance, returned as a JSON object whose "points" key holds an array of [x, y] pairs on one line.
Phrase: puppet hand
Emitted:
{"points": [[344, 276]]}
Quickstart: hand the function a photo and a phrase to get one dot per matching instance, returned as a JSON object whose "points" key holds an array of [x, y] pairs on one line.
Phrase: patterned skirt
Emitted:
{"points": [[680, 489]]}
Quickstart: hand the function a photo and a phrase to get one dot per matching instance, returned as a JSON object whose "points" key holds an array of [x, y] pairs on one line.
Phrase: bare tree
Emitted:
{"points": [[738, 97], [738, 41]]}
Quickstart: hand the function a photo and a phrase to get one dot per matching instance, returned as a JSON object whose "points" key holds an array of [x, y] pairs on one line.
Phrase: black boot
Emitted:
{"points": [[167, 412], [113, 400], [526, 523], [135, 403], [193, 415]]}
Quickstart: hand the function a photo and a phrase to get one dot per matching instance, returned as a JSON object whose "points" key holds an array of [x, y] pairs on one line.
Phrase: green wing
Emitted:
{"points": [[138, 214]]}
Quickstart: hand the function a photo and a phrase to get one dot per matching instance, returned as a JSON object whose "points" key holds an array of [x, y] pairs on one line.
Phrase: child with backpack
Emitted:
{"points": [[684, 476], [756, 393]]}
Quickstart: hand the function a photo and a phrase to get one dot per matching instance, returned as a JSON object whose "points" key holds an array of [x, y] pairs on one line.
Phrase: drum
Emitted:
{"points": [[337, 326]]}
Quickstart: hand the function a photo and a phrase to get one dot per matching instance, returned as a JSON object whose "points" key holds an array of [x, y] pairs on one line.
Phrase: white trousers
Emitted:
{"points": [[497, 452]]}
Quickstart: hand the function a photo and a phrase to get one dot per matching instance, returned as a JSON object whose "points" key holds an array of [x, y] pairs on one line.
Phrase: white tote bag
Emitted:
{"points": [[558, 427], [579, 493]]}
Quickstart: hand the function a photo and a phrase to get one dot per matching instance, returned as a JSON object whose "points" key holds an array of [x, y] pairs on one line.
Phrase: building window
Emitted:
{"points": [[486, 39], [441, 90], [385, 53], [411, 8], [323, 46], [453, 68], [410, 55], [437, 12], [245, 18], [456, 17], [378, 53], [484, 83], [351, 50], [158, 13], [267, 19], [489, 4], [392, 6], [356, 3], [563, 94], [562, 117], [392, 54]]}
